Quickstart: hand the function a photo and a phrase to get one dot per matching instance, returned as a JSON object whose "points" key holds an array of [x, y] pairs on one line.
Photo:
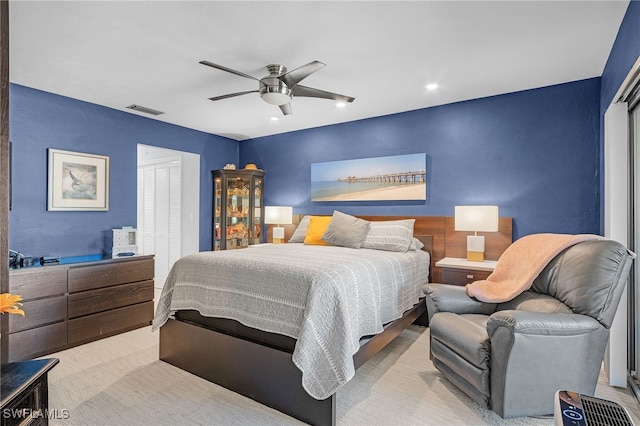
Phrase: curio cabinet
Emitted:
{"points": [[238, 210]]}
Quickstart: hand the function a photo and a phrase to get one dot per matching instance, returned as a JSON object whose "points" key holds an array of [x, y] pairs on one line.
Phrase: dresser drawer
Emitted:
{"points": [[97, 326], [462, 276], [37, 341], [39, 312], [96, 276], [103, 299], [38, 282]]}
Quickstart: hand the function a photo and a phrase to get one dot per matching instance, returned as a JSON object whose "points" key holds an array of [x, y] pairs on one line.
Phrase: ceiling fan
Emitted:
{"points": [[280, 86]]}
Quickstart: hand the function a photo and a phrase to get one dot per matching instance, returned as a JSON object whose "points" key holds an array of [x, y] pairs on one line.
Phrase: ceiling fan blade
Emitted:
{"points": [[223, 68], [286, 109], [231, 95], [294, 77], [317, 93]]}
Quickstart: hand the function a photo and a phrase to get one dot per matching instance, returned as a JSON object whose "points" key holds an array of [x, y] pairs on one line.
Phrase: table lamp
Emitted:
{"points": [[278, 215], [476, 219]]}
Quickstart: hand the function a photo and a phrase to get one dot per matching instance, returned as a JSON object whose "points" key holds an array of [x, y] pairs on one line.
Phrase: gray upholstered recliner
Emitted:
{"points": [[512, 357]]}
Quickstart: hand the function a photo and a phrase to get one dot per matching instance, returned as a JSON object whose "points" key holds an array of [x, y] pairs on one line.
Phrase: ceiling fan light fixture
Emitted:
{"points": [[275, 98], [274, 91]]}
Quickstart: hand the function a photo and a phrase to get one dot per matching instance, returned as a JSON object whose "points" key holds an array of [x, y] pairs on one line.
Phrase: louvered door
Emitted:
{"points": [[159, 218]]}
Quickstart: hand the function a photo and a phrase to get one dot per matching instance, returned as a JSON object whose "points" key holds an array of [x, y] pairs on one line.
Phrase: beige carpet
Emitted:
{"points": [[120, 381]]}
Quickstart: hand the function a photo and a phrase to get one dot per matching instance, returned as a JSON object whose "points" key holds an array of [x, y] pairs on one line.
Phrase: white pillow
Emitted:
{"points": [[390, 235], [416, 244]]}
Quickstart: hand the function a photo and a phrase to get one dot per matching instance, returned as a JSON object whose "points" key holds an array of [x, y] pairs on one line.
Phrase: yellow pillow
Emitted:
{"points": [[317, 227]]}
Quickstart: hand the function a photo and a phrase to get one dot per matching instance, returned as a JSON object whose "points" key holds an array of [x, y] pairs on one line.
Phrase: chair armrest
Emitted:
{"points": [[533, 354], [542, 323], [453, 298]]}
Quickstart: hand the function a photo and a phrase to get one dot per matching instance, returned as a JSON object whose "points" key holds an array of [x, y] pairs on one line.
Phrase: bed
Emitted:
{"points": [[327, 310]]}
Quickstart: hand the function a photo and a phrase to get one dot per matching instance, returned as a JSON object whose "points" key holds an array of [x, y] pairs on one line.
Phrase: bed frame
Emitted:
{"points": [[262, 373], [266, 373]]}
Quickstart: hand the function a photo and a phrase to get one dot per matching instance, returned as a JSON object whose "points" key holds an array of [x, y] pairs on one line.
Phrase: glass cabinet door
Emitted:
{"points": [[238, 209], [257, 211], [217, 212]]}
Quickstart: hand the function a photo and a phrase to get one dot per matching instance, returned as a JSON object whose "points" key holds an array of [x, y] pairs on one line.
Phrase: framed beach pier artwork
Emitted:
{"points": [[397, 177]]}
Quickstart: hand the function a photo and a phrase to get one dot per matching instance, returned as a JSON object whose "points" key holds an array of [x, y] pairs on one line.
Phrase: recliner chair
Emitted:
{"points": [[513, 356]]}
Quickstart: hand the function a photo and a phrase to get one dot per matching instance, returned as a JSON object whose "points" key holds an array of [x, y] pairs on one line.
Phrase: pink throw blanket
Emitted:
{"points": [[520, 264]]}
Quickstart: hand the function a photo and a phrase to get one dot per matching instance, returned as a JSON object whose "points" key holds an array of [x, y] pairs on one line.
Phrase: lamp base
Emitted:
{"points": [[475, 256], [475, 248], [278, 235]]}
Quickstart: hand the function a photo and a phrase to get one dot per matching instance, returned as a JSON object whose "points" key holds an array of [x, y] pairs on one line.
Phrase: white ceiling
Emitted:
{"points": [[383, 53]]}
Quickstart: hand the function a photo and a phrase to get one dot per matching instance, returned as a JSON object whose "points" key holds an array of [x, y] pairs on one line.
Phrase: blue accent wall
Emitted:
{"points": [[534, 153], [41, 120]]}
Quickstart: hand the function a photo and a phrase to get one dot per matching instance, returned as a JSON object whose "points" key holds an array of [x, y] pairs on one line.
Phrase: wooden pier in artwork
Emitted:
{"points": [[401, 177]]}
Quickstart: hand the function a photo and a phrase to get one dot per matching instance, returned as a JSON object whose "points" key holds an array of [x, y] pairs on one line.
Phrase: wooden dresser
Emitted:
{"points": [[68, 305]]}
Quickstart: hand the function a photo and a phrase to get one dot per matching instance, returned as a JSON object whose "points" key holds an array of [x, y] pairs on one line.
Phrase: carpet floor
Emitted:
{"points": [[120, 381]]}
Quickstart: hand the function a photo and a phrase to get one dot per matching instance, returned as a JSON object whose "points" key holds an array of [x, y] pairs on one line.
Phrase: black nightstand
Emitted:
{"points": [[24, 392]]}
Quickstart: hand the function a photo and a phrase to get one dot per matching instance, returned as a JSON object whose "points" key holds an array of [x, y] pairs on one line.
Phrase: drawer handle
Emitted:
{"points": [[470, 277]]}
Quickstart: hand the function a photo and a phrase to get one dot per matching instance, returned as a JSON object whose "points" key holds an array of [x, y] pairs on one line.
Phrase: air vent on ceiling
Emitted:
{"points": [[145, 109]]}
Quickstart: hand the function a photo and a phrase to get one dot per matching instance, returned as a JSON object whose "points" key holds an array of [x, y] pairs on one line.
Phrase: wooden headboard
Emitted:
{"points": [[438, 235]]}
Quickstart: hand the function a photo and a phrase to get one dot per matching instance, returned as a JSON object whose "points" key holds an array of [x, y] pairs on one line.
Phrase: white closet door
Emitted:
{"points": [[159, 195]]}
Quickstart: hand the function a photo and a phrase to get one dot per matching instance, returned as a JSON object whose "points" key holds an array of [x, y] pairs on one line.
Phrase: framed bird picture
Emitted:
{"points": [[77, 181]]}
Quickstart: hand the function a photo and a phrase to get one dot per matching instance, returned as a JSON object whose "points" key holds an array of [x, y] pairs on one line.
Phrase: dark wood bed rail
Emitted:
{"points": [[262, 373]]}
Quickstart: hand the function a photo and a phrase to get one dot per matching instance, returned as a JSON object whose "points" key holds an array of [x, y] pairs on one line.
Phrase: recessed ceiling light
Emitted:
{"points": [[432, 86], [274, 118], [341, 104]]}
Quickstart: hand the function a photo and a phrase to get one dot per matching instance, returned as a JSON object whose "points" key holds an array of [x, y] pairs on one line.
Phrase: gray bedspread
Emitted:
{"points": [[326, 297]]}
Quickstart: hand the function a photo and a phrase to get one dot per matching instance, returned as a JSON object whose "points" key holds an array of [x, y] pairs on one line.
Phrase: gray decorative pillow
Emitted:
{"points": [[301, 231], [346, 230], [390, 235]]}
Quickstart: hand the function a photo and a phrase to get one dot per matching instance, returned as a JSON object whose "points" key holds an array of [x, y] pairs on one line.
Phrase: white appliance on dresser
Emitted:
{"points": [[125, 242]]}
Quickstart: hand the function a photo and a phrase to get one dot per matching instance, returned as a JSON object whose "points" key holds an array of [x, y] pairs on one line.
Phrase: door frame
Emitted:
{"points": [[617, 217]]}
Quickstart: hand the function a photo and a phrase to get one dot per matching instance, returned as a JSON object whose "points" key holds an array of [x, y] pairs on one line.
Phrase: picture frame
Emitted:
{"points": [[389, 178], [77, 181], [10, 175]]}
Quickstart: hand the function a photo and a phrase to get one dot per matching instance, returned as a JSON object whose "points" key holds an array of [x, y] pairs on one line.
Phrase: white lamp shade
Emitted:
{"points": [[476, 218], [275, 98], [278, 215]]}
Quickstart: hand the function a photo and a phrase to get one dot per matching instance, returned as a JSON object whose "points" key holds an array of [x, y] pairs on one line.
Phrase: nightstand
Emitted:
{"points": [[25, 395], [462, 272]]}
